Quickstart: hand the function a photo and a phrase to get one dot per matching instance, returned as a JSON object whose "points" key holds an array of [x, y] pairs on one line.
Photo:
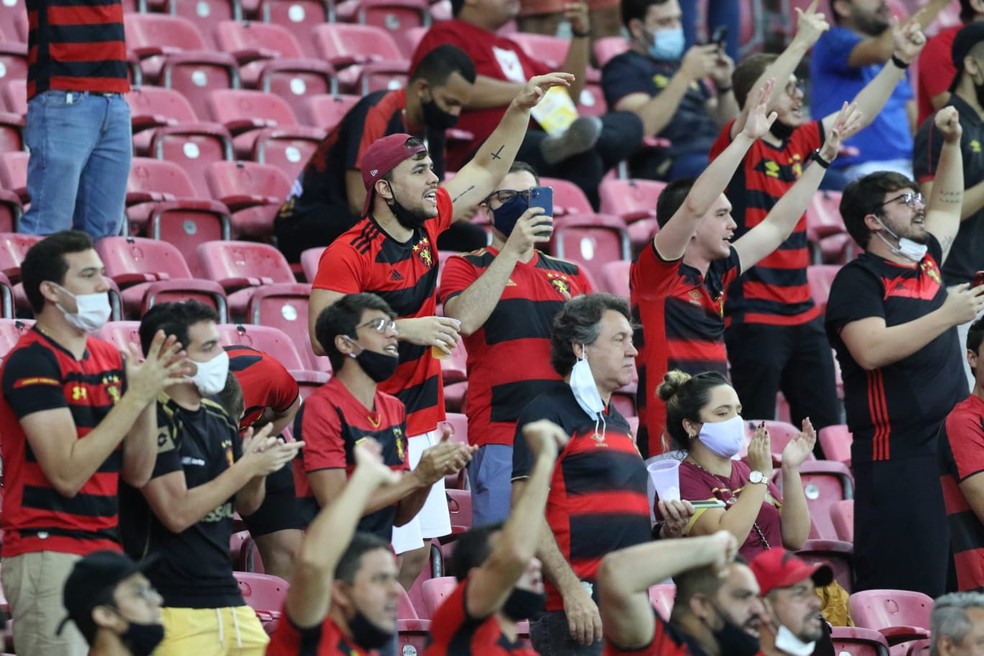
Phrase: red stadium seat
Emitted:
{"points": [[856, 641], [13, 61], [608, 47], [298, 16], [414, 633], [325, 111], [11, 131], [842, 517], [835, 441], [11, 330], [615, 278], [205, 14], [285, 306], [121, 334], [591, 240], [551, 50], [641, 233], [253, 192], [661, 595], [394, 16], [13, 174], [241, 267], [567, 197], [899, 615], [631, 199], [819, 277], [350, 47], [436, 590], [13, 248], [13, 17], [825, 483], [264, 593], [460, 508], [835, 553], [11, 211], [14, 98], [412, 38]]}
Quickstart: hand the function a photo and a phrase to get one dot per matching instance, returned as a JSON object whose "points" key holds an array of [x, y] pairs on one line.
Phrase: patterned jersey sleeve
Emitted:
{"points": [[457, 275], [965, 431], [342, 269]]}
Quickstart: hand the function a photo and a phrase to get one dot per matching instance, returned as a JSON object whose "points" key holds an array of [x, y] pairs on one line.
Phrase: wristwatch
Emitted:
{"points": [[757, 477]]}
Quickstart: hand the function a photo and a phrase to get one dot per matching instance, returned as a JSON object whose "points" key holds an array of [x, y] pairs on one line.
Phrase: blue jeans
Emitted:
{"points": [[489, 474], [80, 159], [551, 637]]}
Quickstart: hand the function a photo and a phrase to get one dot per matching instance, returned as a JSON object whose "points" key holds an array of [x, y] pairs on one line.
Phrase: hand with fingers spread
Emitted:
{"points": [[947, 121], [165, 365], [758, 122], [810, 25], [537, 86], [798, 449], [676, 515], [264, 453], [439, 332], [760, 451], [846, 124], [908, 37], [533, 227]]}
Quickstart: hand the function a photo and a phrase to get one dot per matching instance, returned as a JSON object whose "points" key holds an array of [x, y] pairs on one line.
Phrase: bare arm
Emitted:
{"points": [[579, 50], [355, 189], [281, 420], [795, 514], [140, 448], [944, 207], [973, 198], [489, 92], [250, 497], [327, 484]]}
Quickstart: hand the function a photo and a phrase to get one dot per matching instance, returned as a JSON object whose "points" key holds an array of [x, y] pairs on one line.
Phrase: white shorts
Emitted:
{"points": [[433, 520]]}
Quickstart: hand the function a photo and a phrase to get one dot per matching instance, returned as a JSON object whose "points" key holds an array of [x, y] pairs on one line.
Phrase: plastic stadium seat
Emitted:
{"points": [[458, 423], [12, 330], [608, 47], [149, 271], [13, 17], [591, 240], [436, 590], [14, 98], [264, 593], [631, 199], [163, 204], [899, 615], [836, 443], [309, 262], [325, 111], [384, 76], [309, 381], [13, 174], [298, 16], [567, 197], [394, 16], [819, 277], [412, 38], [615, 278], [414, 633], [206, 15], [551, 50], [271, 60], [173, 53], [661, 595], [825, 483], [13, 248], [11, 131], [836, 553], [271, 341], [460, 508], [780, 433], [11, 211], [253, 193], [842, 517], [349, 48], [13, 61], [825, 229], [857, 641], [285, 306], [591, 102], [121, 334], [918, 648], [240, 267]]}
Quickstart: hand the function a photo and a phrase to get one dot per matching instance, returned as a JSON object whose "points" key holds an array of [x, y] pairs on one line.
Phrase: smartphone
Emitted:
{"points": [[542, 197], [716, 503], [978, 279], [720, 36]]}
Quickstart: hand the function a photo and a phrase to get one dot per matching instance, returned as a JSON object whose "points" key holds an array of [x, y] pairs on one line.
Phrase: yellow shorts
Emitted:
{"points": [[233, 631]]}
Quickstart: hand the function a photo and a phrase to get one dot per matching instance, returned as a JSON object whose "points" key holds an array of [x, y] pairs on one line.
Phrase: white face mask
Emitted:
{"points": [[788, 643], [586, 391], [91, 310], [907, 248], [210, 379], [723, 438]]}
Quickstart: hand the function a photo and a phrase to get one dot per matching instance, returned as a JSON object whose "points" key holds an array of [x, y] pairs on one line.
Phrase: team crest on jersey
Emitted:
{"points": [[398, 438], [112, 383], [423, 251], [930, 269], [227, 447], [788, 172], [560, 282]]}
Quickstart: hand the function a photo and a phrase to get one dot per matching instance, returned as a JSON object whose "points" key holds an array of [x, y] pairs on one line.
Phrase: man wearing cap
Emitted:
{"points": [[392, 252], [113, 605], [967, 255], [788, 587]]}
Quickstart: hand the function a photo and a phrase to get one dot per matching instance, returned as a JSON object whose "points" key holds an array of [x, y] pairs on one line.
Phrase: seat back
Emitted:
{"points": [[551, 50], [13, 62], [460, 509], [262, 592], [11, 330], [661, 596], [615, 278], [568, 198], [630, 199], [13, 170], [836, 443], [271, 341], [228, 105], [608, 47], [125, 255], [882, 609], [13, 248], [121, 333], [820, 277], [436, 590], [591, 241], [14, 97], [251, 178], [326, 110], [149, 175], [309, 262], [394, 16], [857, 641], [366, 42], [163, 31], [285, 306], [158, 101], [221, 260], [842, 517], [298, 16], [824, 484], [232, 36], [823, 216], [205, 14]]}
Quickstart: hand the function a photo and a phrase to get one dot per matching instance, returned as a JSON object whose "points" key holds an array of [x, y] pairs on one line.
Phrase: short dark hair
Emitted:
{"points": [[865, 196], [967, 11], [350, 562], [704, 580], [471, 549], [975, 335], [684, 396], [46, 261], [174, 319], [747, 72], [441, 63], [578, 321], [456, 7], [671, 199], [342, 318], [638, 9]]}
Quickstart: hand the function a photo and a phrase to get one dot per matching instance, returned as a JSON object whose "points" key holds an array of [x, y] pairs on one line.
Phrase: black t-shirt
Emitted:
{"points": [[895, 411], [967, 254], [194, 569]]}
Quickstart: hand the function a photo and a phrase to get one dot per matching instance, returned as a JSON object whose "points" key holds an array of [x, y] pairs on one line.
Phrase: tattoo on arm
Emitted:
{"points": [[462, 194], [951, 197], [495, 155]]}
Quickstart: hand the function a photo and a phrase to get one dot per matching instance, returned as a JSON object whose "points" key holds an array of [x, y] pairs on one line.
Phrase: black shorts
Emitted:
{"points": [[281, 509]]}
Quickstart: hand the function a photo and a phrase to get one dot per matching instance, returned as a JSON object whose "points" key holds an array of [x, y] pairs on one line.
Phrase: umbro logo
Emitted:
{"points": [[396, 275]]}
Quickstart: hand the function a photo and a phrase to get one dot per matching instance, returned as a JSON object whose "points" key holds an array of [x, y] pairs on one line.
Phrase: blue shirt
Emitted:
{"points": [[888, 136]]}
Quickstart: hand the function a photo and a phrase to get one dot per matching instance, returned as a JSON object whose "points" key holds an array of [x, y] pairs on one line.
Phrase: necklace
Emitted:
{"points": [[375, 419], [758, 529]]}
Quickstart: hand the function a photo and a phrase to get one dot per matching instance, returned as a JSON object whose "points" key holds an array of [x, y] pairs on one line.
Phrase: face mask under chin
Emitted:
{"points": [[408, 219]]}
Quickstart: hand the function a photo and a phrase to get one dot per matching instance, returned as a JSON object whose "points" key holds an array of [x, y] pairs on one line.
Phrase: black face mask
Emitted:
{"points": [[366, 634], [377, 366], [780, 130], [524, 604], [406, 218], [142, 639], [733, 640], [436, 118]]}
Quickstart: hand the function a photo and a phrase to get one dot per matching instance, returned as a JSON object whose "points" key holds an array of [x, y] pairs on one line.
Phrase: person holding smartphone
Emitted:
{"points": [[506, 297], [704, 421]]}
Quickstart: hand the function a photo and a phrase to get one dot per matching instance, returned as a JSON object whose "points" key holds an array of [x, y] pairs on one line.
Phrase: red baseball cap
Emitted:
{"points": [[778, 568], [383, 156]]}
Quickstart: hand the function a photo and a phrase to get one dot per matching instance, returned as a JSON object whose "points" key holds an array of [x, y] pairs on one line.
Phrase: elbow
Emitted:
{"points": [[176, 523], [610, 578], [67, 488], [137, 480]]}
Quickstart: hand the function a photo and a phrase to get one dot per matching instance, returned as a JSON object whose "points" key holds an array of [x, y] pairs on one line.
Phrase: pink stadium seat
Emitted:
{"points": [[460, 507], [382, 76], [13, 174], [11, 131], [820, 277], [121, 334], [413, 631], [591, 240], [253, 192], [150, 271], [394, 16], [13, 17], [325, 111], [298, 16], [836, 443], [436, 590], [856, 641], [264, 593], [458, 423], [591, 102], [608, 47], [11, 211], [309, 262], [641, 232], [615, 278], [412, 38], [14, 97], [350, 47], [899, 615], [163, 204], [272, 341], [271, 60], [918, 648], [552, 50], [12, 330], [205, 14], [13, 248], [825, 483], [842, 517], [13, 60], [661, 595], [173, 53], [631, 199], [567, 197], [839, 555], [285, 306], [241, 267]]}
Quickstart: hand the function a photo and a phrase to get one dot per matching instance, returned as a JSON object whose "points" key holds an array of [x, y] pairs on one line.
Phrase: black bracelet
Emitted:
{"points": [[818, 158], [723, 90], [898, 62], [581, 35]]}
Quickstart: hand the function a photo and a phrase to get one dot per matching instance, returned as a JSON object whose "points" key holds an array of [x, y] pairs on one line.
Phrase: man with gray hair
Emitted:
{"points": [[957, 624], [598, 501]]}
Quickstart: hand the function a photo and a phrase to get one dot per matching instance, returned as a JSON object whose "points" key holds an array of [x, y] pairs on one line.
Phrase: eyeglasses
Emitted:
{"points": [[503, 196], [380, 324], [909, 198], [793, 86]]}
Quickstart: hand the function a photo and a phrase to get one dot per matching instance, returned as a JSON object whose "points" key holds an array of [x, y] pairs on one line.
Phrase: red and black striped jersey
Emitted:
{"points": [[326, 639], [598, 501], [76, 45], [667, 641], [775, 290], [331, 422], [962, 456], [366, 259], [454, 631], [680, 313], [896, 410], [518, 330], [39, 375], [264, 381]]}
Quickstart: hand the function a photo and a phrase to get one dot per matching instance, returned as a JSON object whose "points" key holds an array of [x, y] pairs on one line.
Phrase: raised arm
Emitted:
{"points": [[794, 517], [626, 575], [671, 241], [491, 162], [328, 536], [944, 205], [579, 50], [767, 236], [490, 584]]}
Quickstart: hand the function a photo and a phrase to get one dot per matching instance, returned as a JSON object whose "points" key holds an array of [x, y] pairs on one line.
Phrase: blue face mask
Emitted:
{"points": [[667, 44], [505, 217]]}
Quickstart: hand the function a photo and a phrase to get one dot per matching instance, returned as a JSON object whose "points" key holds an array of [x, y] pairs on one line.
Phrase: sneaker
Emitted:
{"points": [[580, 137]]}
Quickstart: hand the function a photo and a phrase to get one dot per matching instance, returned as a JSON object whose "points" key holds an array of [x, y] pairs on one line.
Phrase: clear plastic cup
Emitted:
{"points": [[665, 475]]}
